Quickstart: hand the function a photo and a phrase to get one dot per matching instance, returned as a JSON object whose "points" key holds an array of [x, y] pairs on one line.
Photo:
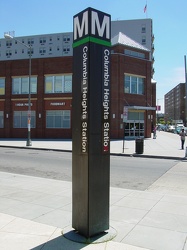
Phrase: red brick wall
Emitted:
{"points": [[40, 67], [120, 64]]}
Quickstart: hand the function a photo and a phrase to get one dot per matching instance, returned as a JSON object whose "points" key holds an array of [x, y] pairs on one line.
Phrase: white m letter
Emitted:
{"points": [[100, 28], [81, 28]]}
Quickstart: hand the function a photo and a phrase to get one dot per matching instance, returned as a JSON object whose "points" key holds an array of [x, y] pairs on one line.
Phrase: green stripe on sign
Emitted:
{"points": [[93, 40]]}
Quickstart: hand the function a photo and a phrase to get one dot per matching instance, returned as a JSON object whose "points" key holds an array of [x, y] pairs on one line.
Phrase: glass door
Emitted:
{"points": [[134, 129]]}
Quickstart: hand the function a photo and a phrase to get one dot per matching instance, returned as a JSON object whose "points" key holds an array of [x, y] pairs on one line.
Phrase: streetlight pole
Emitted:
{"points": [[29, 142], [185, 90]]}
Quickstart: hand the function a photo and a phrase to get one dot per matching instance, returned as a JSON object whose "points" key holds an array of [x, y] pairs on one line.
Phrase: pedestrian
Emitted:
{"points": [[182, 136], [154, 132]]}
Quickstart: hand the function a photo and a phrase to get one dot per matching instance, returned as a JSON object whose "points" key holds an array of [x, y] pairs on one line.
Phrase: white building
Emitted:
{"points": [[139, 30], [60, 44], [43, 46]]}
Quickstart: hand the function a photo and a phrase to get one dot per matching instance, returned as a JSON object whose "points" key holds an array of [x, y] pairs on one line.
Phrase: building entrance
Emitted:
{"points": [[134, 129], [134, 125]]}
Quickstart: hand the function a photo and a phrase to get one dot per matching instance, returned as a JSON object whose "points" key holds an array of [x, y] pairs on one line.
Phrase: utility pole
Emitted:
{"points": [[185, 91], [29, 142]]}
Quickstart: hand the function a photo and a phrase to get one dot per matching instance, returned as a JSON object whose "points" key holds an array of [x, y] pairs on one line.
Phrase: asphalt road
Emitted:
{"points": [[126, 172]]}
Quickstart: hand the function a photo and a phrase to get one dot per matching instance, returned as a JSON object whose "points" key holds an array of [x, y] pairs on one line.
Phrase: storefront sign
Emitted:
{"points": [[57, 103], [22, 104], [125, 114]]}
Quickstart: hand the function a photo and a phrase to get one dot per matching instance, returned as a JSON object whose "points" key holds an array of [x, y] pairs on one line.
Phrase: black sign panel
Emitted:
{"points": [[91, 122]]}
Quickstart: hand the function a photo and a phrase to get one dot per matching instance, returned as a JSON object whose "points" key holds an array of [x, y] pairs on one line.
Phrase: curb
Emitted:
{"points": [[112, 154], [33, 148], [150, 156]]}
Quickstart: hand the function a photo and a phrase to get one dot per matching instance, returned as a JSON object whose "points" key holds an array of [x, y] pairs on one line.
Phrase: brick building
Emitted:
{"points": [[175, 104], [132, 91], [133, 95]]}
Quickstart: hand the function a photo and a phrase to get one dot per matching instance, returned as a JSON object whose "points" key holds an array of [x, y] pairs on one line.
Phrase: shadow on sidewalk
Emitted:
{"points": [[60, 243]]}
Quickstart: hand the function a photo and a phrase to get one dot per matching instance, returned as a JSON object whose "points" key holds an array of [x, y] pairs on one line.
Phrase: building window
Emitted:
{"points": [[21, 119], [8, 53], [30, 41], [20, 85], [143, 28], [58, 119], [2, 86], [9, 43], [140, 84], [134, 54], [134, 85], [143, 40], [68, 83], [42, 40], [66, 38], [1, 119], [30, 51], [58, 84], [66, 49], [42, 51], [136, 116]]}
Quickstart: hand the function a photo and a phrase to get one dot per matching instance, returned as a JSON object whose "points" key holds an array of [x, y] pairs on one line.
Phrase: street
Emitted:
{"points": [[126, 172]]}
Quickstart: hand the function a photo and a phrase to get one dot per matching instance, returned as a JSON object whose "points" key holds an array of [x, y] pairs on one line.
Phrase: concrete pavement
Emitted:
{"points": [[35, 213], [166, 145]]}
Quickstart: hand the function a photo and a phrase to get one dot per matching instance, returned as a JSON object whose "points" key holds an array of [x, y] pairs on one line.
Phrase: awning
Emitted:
{"points": [[140, 108]]}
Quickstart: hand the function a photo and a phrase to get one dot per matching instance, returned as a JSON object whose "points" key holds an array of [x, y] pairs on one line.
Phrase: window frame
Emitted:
{"points": [[21, 118], [24, 80], [55, 84], [134, 84], [2, 89], [1, 119], [143, 28], [58, 119]]}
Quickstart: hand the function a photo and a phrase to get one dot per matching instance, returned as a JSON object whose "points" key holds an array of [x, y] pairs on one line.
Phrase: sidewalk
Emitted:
{"points": [[35, 213], [166, 145]]}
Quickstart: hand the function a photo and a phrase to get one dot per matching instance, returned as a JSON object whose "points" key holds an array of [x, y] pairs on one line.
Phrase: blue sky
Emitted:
{"points": [[54, 16]]}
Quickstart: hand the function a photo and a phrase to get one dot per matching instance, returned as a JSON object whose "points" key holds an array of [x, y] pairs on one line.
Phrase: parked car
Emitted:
{"points": [[161, 127], [178, 128], [171, 128]]}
